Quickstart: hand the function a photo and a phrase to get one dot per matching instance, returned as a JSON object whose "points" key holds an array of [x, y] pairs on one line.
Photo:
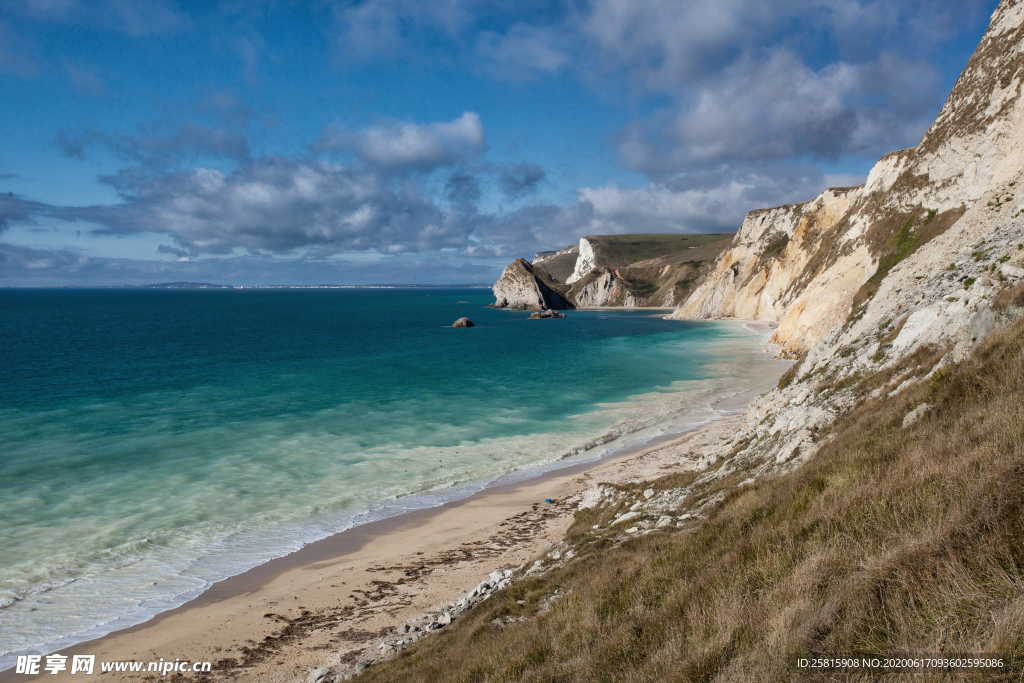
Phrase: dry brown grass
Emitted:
{"points": [[792, 372], [1009, 297], [889, 540]]}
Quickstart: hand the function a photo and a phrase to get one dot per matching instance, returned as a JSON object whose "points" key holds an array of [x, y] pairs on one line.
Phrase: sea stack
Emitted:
{"points": [[520, 286]]}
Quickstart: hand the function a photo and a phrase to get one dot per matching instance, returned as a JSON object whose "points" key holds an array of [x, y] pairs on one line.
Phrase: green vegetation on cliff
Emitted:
{"points": [[630, 270], [615, 251]]}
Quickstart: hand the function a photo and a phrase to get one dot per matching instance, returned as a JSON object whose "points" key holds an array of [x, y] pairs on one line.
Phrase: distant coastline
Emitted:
{"points": [[213, 285]]}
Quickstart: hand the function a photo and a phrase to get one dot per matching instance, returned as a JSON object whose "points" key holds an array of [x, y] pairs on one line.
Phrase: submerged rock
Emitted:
{"points": [[463, 322], [546, 313]]}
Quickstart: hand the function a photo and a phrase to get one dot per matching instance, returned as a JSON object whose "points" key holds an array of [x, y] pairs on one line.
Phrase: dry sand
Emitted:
{"points": [[324, 603]]}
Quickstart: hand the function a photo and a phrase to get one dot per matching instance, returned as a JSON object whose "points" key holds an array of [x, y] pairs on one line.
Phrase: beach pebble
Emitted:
{"points": [[648, 493], [663, 522]]}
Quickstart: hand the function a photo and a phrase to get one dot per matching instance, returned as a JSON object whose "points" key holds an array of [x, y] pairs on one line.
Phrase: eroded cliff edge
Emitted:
{"points": [[879, 292], [875, 287], [810, 267], [656, 270], [520, 286], [899, 277]]}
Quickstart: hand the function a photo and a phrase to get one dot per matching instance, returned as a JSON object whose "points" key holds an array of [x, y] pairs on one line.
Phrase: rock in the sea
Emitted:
{"points": [[546, 313], [463, 322]]}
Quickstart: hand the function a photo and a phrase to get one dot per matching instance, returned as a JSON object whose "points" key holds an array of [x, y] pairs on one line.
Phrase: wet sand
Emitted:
{"points": [[328, 601], [323, 604]]}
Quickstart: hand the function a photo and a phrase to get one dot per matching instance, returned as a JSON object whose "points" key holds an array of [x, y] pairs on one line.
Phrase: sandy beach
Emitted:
{"points": [[329, 601], [332, 601]]}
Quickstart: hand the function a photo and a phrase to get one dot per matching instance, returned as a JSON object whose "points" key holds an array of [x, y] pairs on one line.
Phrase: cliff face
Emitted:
{"points": [[876, 287], [614, 270], [758, 277], [807, 266], [521, 287], [878, 291], [558, 265]]}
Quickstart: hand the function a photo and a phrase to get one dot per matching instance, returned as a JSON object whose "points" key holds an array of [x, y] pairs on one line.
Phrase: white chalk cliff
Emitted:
{"points": [[520, 286], [901, 276], [802, 265], [613, 270], [585, 260]]}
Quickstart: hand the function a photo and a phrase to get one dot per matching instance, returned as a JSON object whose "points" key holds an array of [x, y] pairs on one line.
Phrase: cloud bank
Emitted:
{"points": [[727, 105]]}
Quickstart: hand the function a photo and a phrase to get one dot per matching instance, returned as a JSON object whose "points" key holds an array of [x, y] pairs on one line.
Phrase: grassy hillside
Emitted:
{"points": [[558, 268], [615, 251], [653, 269], [889, 540]]}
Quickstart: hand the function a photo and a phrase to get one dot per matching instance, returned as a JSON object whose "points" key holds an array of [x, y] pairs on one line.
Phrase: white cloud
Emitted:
{"points": [[696, 206], [412, 145], [269, 205], [777, 107], [523, 52], [376, 28], [665, 43]]}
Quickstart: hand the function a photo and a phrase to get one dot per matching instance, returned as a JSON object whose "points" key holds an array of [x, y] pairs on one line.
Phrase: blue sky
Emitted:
{"points": [[400, 141]]}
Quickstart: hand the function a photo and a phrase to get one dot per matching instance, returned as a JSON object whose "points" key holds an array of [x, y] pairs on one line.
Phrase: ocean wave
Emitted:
{"points": [[132, 581]]}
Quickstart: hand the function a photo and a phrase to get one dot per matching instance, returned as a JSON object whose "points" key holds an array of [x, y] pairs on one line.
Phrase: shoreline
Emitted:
{"points": [[376, 576], [623, 308], [359, 548]]}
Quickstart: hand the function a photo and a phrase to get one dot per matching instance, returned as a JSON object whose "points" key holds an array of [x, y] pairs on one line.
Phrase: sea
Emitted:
{"points": [[153, 442]]}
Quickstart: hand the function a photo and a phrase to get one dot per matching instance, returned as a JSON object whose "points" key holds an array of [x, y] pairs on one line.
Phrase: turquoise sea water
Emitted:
{"points": [[154, 442]]}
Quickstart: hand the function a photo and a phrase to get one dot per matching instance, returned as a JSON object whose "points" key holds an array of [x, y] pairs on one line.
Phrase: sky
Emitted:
{"points": [[401, 141]]}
